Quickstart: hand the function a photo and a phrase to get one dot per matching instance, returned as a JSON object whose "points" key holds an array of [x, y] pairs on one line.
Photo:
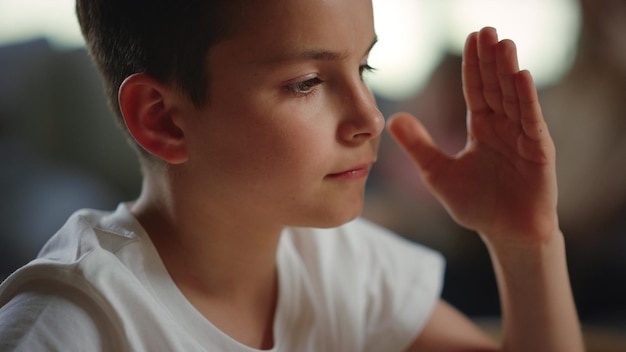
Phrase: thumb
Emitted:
{"points": [[415, 140]]}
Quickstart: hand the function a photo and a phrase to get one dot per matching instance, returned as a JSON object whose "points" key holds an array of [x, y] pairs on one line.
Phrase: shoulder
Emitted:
{"points": [[86, 247], [45, 318], [88, 231], [54, 300], [92, 279]]}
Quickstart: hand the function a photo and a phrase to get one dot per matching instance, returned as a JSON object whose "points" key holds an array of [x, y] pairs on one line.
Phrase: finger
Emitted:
{"points": [[487, 41], [472, 80], [536, 143], [507, 68], [532, 120], [415, 140]]}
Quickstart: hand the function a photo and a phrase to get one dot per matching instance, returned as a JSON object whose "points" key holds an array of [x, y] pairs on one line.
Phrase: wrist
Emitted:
{"points": [[535, 293], [525, 248]]}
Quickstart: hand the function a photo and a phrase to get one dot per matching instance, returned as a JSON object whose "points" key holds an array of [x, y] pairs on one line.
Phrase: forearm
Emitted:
{"points": [[538, 308]]}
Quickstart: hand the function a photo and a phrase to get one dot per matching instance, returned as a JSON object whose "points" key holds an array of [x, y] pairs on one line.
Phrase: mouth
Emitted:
{"points": [[353, 173]]}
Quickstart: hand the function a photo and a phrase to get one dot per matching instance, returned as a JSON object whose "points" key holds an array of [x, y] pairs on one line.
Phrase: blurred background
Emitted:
{"points": [[61, 150]]}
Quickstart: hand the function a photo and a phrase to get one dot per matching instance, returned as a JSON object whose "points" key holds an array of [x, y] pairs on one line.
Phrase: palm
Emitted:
{"points": [[503, 181]]}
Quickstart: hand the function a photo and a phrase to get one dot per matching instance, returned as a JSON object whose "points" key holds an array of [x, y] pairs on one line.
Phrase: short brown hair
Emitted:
{"points": [[168, 40]]}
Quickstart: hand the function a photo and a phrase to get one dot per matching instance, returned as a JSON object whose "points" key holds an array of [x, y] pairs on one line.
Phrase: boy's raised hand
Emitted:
{"points": [[503, 183]]}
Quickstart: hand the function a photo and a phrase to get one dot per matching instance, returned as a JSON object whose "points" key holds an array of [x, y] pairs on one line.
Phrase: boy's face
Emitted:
{"points": [[291, 129]]}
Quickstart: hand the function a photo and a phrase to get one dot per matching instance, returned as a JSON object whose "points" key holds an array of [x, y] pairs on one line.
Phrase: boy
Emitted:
{"points": [[256, 134]]}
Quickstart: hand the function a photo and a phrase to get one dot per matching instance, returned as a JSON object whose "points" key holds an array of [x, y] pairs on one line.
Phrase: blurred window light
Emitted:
{"points": [[55, 20], [413, 34], [545, 31], [411, 42]]}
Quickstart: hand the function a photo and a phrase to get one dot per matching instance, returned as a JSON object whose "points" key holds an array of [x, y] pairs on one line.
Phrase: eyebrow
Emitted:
{"points": [[313, 54]]}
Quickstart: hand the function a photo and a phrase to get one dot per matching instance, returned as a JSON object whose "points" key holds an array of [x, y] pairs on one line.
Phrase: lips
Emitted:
{"points": [[353, 173]]}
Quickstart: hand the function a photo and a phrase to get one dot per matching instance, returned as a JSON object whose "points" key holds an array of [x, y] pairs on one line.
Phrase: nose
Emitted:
{"points": [[361, 120]]}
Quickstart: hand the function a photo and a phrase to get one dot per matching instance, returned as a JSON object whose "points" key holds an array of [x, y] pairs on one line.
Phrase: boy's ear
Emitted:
{"points": [[149, 114]]}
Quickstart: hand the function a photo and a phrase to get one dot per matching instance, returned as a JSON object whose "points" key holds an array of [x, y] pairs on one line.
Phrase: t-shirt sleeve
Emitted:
{"points": [[44, 321], [404, 285]]}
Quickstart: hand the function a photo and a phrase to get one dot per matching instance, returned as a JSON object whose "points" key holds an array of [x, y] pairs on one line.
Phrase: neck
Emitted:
{"points": [[223, 261], [214, 248]]}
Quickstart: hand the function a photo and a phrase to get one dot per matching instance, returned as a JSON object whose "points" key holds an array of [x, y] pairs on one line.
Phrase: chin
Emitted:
{"points": [[326, 214], [337, 218]]}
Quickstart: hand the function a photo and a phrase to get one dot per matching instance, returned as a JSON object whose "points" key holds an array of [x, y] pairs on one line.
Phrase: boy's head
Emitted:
{"points": [[291, 129], [165, 39]]}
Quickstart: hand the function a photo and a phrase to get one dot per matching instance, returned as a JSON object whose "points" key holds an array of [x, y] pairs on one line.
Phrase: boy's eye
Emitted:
{"points": [[304, 87], [365, 68]]}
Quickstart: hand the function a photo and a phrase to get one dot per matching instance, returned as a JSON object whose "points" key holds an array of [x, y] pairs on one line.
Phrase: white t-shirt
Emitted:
{"points": [[99, 284]]}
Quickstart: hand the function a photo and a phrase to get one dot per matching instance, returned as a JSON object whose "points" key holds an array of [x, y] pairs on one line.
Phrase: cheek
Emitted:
{"points": [[286, 143], [289, 157], [258, 142], [259, 155]]}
